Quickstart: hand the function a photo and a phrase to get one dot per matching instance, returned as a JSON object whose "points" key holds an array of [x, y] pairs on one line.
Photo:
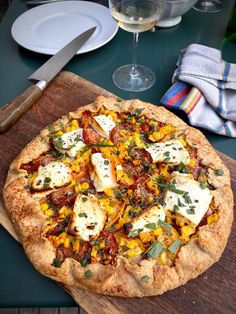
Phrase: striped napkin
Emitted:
{"points": [[204, 86]]}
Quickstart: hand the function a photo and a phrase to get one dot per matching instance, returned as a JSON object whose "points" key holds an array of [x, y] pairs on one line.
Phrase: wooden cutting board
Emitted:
{"points": [[212, 292]]}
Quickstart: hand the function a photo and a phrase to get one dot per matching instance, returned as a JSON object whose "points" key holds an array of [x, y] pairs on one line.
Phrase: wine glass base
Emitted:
{"points": [[142, 80], [170, 22], [208, 6]]}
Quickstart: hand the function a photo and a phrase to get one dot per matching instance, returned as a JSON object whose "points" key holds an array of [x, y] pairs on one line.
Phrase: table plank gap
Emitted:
{"points": [[29, 311], [69, 310], [9, 311], [48, 310]]}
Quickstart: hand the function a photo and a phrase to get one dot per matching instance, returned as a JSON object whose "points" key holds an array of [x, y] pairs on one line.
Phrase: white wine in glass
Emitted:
{"points": [[135, 16], [209, 6]]}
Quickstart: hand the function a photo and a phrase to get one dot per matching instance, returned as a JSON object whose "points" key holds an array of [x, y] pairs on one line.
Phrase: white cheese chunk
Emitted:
{"points": [[106, 123], [71, 138], [193, 203], [151, 215], [54, 174], [102, 173], [88, 217], [72, 142], [171, 151]]}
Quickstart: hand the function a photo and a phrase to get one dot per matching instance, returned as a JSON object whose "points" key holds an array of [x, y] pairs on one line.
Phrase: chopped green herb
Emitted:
{"points": [[27, 186], [164, 225], [119, 193], [84, 198], [85, 259], [88, 274], [155, 250], [167, 186], [83, 215], [145, 278], [106, 162], [176, 208], [56, 263], [174, 246], [182, 168], [73, 241], [191, 210], [137, 112], [135, 233], [187, 198], [50, 128], [203, 184], [180, 204], [59, 142], [219, 172], [151, 225], [112, 229], [167, 154], [47, 180]]}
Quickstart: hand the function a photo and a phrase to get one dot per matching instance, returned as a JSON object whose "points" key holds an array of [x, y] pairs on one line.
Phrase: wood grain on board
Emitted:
{"points": [[212, 292]]}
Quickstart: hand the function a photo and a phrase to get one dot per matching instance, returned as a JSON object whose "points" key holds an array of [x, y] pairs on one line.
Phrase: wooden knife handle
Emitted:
{"points": [[10, 113]]}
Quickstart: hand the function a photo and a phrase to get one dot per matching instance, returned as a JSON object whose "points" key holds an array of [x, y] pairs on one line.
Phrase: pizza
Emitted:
{"points": [[120, 198]]}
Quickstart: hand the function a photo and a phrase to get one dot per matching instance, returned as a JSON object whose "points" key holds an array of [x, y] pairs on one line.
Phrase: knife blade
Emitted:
{"points": [[10, 113]]}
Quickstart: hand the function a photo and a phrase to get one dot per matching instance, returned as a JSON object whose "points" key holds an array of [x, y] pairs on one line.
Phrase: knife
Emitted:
{"points": [[10, 113]]}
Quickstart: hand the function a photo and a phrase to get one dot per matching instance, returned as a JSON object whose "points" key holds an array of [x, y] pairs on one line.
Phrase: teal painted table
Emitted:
{"points": [[20, 284]]}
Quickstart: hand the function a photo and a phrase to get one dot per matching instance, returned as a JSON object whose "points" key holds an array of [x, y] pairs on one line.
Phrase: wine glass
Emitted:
{"points": [[135, 16], [209, 6]]}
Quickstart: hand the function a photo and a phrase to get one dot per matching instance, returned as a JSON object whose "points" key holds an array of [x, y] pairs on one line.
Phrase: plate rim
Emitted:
{"points": [[53, 51]]}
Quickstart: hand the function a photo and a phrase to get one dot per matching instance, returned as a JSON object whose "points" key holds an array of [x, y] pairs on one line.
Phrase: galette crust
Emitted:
{"points": [[124, 279]]}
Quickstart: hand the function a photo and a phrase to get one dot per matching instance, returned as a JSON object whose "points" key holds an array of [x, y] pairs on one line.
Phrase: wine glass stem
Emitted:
{"points": [[134, 71]]}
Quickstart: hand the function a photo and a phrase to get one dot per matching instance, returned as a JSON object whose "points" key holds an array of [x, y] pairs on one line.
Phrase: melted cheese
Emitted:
{"points": [[151, 215], [102, 173], [54, 174], [72, 142], [170, 151], [88, 217], [104, 125], [193, 204]]}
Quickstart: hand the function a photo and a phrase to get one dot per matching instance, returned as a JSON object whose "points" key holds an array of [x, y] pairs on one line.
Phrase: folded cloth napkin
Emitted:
{"points": [[204, 86]]}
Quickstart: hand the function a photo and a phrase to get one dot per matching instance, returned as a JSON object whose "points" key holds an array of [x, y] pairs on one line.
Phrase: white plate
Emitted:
{"points": [[49, 27]]}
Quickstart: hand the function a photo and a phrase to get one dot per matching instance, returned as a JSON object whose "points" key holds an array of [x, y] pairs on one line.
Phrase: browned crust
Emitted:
{"points": [[125, 278]]}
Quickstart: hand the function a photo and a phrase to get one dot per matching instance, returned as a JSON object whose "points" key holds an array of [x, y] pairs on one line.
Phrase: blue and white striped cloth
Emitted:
{"points": [[204, 86]]}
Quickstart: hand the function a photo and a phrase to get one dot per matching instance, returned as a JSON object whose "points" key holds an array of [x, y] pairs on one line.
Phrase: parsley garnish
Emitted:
{"points": [[151, 225], [112, 229], [174, 246], [167, 186], [137, 112], [155, 250], [176, 208], [56, 263], [46, 182], [135, 233], [187, 198], [145, 278], [191, 210], [51, 128], [88, 274], [203, 184], [84, 198], [219, 172], [164, 225], [83, 214], [180, 204], [182, 168], [119, 193]]}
